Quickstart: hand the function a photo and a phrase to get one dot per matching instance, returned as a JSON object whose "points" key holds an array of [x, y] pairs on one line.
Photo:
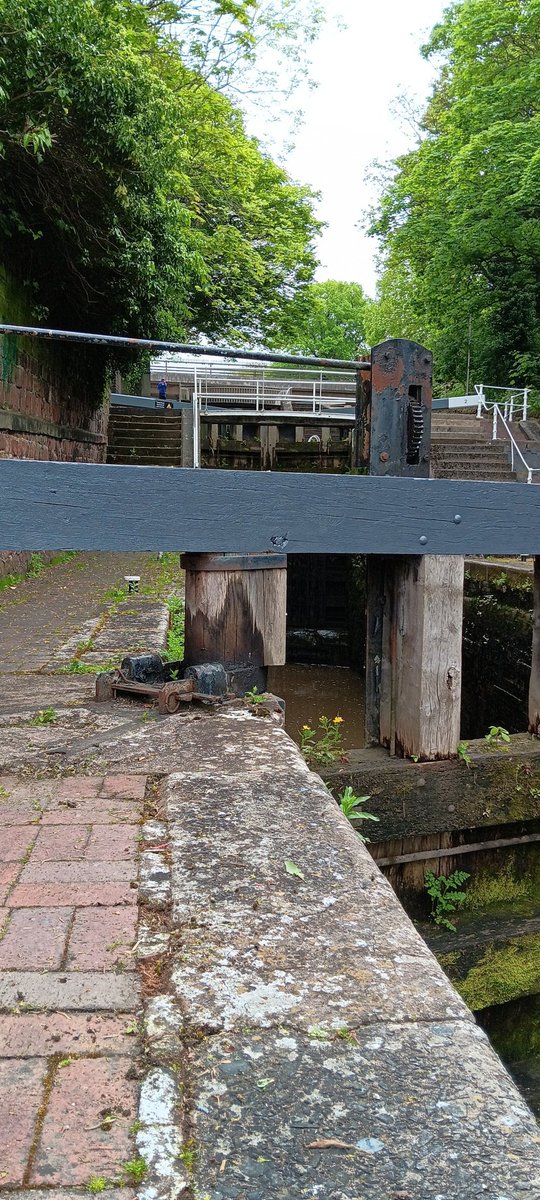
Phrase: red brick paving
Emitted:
{"points": [[107, 811], [27, 1035], [8, 875], [101, 938], [130, 786], [78, 872], [15, 841], [35, 939], [58, 843], [112, 842], [35, 895], [19, 1079], [70, 908], [83, 1093]]}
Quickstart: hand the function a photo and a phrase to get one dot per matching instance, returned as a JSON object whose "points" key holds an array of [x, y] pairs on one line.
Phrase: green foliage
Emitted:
{"points": [[35, 566], [446, 895], [350, 803], [45, 716], [325, 744], [135, 1169], [496, 736], [130, 189], [459, 222], [96, 1184], [463, 753], [326, 320], [175, 637], [254, 696]]}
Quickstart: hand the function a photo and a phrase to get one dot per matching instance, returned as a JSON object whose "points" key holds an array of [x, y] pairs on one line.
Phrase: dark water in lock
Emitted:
{"points": [[312, 691]]}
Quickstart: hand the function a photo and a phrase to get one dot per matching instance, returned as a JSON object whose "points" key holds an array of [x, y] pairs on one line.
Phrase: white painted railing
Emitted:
{"points": [[505, 415], [514, 404]]}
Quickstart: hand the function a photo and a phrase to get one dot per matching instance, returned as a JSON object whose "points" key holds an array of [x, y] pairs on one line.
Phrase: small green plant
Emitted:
{"points": [[349, 804], [45, 716], [115, 594], [135, 1169], [254, 696], [188, 1154], [35, 566], [318, 1033], [175, 638], [325, 744], [463, 753], [446, 895], [96, 1184], [497, 735]]}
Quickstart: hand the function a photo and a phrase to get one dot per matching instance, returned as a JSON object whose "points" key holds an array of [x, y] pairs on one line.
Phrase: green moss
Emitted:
{"points": [[503, 975], [502, 892], [449, 960]]}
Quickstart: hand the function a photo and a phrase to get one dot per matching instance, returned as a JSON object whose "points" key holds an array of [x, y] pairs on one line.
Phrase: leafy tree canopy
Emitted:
{"points": [[460, 222], [326, 320], [133, 199]]}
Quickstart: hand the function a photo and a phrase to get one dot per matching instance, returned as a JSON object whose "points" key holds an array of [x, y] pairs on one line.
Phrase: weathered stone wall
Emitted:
{"points": [[50, 397]]}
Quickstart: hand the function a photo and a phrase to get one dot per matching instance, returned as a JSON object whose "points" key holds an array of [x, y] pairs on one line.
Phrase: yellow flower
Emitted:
{"points": [[338, 721], [307, 728]]}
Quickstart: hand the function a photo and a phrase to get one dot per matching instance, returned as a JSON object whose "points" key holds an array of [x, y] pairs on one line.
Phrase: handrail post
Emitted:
{"points": [[525, 402], [480, 405], [196, 427], [494, 426]]}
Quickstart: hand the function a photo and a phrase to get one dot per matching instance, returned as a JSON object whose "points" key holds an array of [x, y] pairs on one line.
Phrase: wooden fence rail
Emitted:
{"points": [[79, 506]]}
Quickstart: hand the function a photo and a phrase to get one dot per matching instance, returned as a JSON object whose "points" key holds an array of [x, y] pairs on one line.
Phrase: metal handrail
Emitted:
{"points": [[497, 415], [511, 406]]}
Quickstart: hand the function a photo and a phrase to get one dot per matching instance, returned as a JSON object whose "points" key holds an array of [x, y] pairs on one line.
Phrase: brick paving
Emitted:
{"points": [[69, 993]]}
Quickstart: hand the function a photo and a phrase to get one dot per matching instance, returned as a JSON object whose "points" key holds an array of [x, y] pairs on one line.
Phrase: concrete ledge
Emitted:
{"points": [[14, 422], [327, 1053]]}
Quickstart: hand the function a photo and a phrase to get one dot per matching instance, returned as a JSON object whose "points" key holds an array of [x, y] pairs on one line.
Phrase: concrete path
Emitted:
{"points": [[271, 1028], [68, 595]]}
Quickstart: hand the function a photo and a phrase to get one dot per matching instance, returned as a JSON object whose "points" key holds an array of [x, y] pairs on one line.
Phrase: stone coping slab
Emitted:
{"points": [[402, 1111]]}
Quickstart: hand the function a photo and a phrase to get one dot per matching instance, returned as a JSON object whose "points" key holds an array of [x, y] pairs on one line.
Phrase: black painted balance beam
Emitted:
{"points": [[82, 506]]}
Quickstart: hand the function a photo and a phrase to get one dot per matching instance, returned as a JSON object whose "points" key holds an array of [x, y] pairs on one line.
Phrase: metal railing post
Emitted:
{"points": [[494, 427], [480, 405], [525, 402], [196, 427]]}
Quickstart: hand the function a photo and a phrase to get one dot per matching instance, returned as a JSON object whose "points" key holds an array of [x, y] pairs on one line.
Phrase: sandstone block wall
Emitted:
{"points": [[51, 397]]}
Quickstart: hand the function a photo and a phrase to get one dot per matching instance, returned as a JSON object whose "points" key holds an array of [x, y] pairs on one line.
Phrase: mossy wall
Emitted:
{"points": [[53, 401]]}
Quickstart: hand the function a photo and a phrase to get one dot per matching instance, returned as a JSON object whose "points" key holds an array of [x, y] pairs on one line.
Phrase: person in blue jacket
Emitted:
{"points": [[162, 389]]}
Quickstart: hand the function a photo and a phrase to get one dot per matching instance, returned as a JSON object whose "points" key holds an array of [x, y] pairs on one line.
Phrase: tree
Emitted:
{"points": [[133, 200], [326, 320], [459, 223]]}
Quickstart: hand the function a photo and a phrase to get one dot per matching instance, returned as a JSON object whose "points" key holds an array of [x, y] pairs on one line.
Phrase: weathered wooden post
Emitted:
{"points": [[534, 682], [415, 604], [236, 614]]}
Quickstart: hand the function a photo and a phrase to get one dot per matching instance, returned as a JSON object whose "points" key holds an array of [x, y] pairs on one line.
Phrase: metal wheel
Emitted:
{"points": [[169, 700]]}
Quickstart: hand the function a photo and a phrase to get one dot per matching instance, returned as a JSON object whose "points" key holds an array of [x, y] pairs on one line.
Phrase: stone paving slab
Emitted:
{"points": [[406, 1105]]}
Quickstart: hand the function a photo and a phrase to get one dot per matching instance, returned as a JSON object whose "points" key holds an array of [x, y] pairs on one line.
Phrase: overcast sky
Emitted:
{"points": [[349, 122]]}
